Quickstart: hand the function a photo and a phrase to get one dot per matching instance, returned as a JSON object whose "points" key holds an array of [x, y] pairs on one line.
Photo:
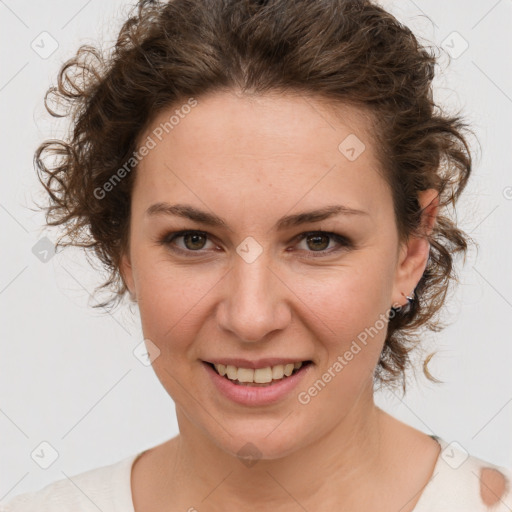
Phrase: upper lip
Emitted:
{"points": [[255, 363]]}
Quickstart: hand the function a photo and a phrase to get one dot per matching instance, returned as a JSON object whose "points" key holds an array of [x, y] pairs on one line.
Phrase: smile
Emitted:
{"points": [[258, 376], [240, 384]]}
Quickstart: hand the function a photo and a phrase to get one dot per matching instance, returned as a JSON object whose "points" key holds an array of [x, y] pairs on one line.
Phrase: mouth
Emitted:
{"points": [[258, 377]]}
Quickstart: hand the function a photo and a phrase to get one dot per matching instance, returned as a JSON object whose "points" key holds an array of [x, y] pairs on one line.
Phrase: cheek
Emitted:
{"points": [[171, 310], [345, 299], [346, 310], [171, 301], [350, 328]]}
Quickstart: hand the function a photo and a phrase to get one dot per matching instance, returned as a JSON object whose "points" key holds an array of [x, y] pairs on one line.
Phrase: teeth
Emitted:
{"points": [[245, 375], [258, 375], [231, 372], [262, 375], [278, 371], [288, 369]]}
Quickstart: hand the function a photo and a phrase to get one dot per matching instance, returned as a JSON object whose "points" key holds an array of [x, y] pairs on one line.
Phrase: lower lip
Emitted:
{"points": [[256, 395]]}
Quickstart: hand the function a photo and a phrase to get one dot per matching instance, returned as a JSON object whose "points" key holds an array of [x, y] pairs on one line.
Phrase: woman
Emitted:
{"points": [[268, 182]]}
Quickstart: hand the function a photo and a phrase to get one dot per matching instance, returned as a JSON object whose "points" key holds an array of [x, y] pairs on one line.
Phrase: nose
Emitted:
{"points": [[254, 301]]}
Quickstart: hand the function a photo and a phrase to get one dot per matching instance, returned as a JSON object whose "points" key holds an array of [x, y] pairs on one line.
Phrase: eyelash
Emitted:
{"points": [[345, 243]]}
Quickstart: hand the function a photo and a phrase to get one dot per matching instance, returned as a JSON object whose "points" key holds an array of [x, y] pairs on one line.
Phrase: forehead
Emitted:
{"points": [[262, 151]]}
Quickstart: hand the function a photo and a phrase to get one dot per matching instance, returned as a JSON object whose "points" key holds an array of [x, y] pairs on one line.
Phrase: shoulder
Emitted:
{"points": [[461, 481], [104, 488]]}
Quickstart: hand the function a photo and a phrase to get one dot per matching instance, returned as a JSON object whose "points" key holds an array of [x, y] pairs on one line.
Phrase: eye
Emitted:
{"points": [[195, 241], [320, 240]]}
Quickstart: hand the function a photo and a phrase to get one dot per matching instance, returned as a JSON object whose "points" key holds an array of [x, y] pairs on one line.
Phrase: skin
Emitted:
{"points": [[252, 160]]}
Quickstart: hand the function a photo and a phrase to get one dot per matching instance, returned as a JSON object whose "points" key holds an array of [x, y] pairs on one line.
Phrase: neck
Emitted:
{"points": [[343, 462]]}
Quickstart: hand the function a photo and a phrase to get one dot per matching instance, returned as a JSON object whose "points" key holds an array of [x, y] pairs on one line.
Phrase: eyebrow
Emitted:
{"points": [[289, 221]]}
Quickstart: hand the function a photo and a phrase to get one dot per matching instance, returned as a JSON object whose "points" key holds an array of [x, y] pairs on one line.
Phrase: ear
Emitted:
{"points": [[414, 253], [126, 271]]}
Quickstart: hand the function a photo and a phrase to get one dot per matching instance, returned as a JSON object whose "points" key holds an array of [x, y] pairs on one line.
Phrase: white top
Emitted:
{"points": [[454, 487]]}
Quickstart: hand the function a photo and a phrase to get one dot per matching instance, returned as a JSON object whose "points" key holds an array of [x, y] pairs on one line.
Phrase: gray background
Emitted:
{"points": [[68, 374]]}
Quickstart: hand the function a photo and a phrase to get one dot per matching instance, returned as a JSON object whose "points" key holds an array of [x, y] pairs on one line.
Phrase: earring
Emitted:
{"points": [[409, 298]]}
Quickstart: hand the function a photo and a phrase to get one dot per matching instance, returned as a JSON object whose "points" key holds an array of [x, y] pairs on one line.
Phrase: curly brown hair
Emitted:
{"points": [[346, 51]]}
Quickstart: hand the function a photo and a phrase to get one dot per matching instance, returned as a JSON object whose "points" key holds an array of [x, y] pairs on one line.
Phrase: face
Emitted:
{"points": [[253, 290]]}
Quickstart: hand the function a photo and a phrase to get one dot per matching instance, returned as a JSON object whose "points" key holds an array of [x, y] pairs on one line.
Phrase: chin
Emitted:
{"points": [[262, 440]]}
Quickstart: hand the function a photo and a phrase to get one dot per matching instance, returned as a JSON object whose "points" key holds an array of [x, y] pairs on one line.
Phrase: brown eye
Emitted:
{"points": [[318, 242], [194, 241]]}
